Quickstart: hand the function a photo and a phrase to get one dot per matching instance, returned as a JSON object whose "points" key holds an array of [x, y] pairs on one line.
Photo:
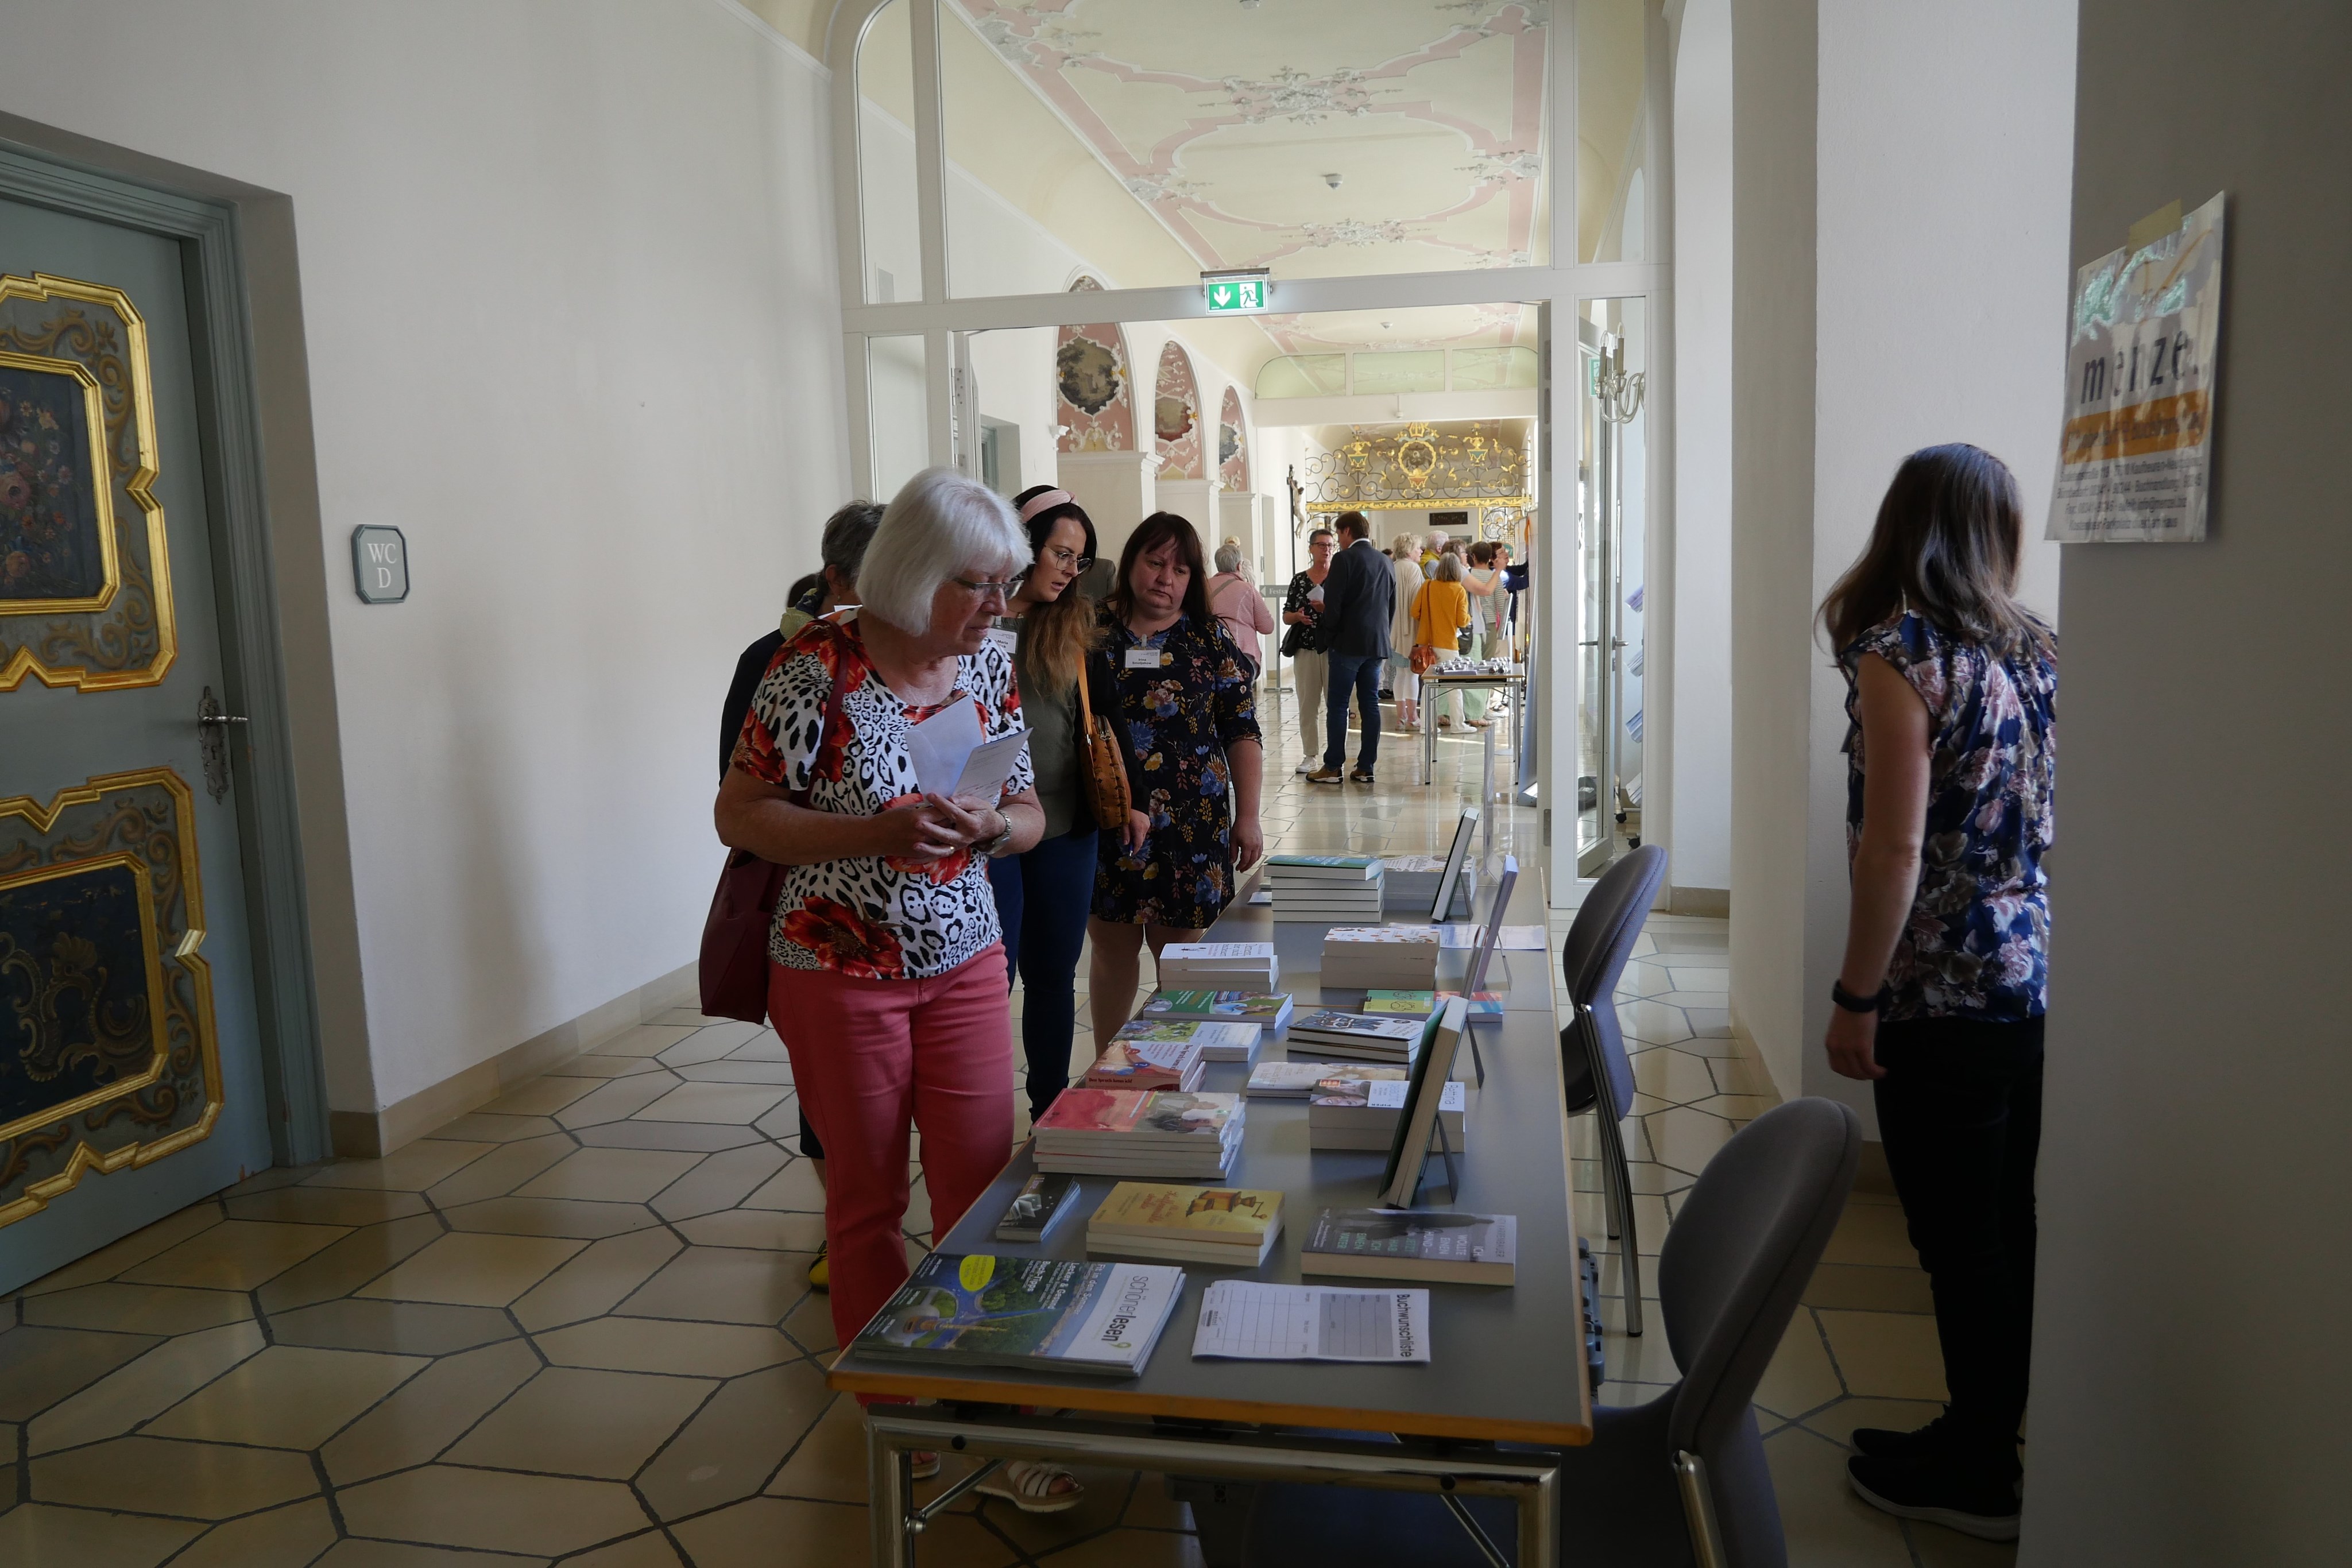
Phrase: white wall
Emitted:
{"points": [[1702, 545], [1941, 141], [569, 295], [2190, 1369]]}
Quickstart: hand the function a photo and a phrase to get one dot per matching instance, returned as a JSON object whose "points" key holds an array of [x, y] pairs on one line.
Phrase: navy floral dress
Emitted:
{"points": [[1181, 715], [1976, 945]]}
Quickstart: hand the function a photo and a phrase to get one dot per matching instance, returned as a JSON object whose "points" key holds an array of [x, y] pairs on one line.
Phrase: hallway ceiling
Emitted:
{"points": [[1228, 123]]}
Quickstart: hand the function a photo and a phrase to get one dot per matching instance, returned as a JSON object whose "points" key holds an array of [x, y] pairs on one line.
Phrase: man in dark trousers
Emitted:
{"points": [[1359, 603]]}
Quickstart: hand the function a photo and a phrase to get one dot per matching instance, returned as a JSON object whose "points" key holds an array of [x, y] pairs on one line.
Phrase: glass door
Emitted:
{"points": [[1612, 517]]}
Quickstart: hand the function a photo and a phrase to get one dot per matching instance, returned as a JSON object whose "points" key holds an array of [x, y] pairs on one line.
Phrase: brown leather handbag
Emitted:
{"points": [[1104, 776]]}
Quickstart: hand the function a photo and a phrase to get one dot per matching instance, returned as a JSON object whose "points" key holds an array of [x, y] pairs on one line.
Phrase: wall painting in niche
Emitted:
{"points": [[1232, 443], [108, 1054], [1176, 415], [84, 573], [1093, 398]]}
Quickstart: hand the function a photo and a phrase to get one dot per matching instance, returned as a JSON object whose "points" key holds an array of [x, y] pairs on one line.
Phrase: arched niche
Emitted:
{"points": [[1176, 415], [1232, 443], [1094, 393]]}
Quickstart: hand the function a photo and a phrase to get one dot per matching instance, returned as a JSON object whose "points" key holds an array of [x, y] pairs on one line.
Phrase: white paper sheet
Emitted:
{"points": [[942, 744], [989, 767], [1246, 1321]]}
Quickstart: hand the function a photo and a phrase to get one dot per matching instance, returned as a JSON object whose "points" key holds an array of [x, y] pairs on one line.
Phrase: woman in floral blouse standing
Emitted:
{"points": [[1186, 700], [1940, 1002], [885, 972]]}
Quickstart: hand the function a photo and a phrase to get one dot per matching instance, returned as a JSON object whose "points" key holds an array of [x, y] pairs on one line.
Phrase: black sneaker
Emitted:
{"points": [[1975, 1502], [1885, 1443]]}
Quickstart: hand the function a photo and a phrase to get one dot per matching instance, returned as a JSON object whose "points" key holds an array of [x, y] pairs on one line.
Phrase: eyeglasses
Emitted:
{"points": [[1069, 560], [984, 589]]}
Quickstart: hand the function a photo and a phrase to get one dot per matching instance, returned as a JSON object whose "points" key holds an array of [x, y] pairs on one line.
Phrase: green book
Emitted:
{"points": [[1418, 1003]]}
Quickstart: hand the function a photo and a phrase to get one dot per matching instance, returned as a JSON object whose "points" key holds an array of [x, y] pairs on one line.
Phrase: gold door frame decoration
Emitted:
{"points": [[124, 635], [1469, 463], [142, 824]]}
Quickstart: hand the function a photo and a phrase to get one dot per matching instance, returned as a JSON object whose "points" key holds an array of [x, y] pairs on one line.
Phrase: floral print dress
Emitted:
{"points": [[878, 917], [1977, 943], [1181, 715]]}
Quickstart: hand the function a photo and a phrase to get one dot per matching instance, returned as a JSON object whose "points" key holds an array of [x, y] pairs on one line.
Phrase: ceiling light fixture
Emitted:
{"points": [[1332, 180]]}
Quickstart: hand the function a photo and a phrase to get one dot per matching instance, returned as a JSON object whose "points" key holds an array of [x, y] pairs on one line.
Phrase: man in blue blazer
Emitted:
{"points": [[1358, 604]]}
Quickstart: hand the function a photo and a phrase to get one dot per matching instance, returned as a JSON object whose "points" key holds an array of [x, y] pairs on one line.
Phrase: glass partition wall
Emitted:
{"points": [[1018, 187]]}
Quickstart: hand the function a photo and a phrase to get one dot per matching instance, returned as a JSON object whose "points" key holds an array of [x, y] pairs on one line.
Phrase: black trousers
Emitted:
{"points": [[1960, 1111]]}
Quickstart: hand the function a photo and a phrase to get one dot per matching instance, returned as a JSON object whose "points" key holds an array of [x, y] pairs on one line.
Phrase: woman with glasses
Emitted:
{"points": [[1042, 895], [1190, 711], [1302, 611], [885, 968]]}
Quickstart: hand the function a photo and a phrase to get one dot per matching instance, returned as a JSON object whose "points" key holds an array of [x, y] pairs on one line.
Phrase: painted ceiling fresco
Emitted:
{"points": [[1408, 139], [1232, 443], [1176, 415]]}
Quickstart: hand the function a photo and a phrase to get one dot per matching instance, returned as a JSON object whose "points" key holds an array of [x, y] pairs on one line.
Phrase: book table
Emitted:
{"points": [[1433, 686], [1506, 1363]]}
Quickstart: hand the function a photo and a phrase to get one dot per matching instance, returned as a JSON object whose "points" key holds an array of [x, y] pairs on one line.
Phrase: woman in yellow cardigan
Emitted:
{"points": [[1439, 611]]}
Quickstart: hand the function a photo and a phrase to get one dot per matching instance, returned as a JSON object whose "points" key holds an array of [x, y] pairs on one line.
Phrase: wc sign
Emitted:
{"points": [[380, 565]]}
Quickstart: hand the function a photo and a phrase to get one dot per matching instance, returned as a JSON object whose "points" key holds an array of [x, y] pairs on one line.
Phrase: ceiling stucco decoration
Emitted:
{"points": [[1176, 415], [1412, 467], [1405, 136], [1232, 443]]}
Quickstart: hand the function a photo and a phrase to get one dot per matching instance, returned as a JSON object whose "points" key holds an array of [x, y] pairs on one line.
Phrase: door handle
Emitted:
{"points": [[211, 726], [222, 718]]}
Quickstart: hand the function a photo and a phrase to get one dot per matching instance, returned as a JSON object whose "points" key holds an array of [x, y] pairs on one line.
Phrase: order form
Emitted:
{"points": [[1248, 1321]]}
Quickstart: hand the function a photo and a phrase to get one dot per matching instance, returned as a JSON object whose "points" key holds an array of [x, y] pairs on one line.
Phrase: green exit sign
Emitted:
{"points": [[1233, 293]]}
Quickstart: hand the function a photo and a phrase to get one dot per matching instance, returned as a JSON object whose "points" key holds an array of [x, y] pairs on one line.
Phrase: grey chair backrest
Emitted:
{"points": [[1598, 945], [1742, 1249]]}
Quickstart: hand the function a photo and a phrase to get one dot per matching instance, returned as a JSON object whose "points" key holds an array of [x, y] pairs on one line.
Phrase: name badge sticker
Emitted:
{"points": [[1006, 639], [1145, 658]]}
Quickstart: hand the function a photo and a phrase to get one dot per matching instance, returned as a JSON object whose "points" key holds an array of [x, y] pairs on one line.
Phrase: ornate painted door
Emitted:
{"points": [[130, 1060]]}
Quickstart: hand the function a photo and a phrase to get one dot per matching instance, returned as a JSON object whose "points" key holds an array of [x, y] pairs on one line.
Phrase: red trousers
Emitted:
{"points": [[868, 1058]]}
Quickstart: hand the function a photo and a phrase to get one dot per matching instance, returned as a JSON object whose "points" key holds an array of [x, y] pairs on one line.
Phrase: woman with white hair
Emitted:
{"points": [[1404, 552], [886, 969], [1234, 600]]}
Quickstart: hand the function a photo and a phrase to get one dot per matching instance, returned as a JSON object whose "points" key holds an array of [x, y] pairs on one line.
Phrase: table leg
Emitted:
{"points": [[1539, 1537], [890, 1493]]}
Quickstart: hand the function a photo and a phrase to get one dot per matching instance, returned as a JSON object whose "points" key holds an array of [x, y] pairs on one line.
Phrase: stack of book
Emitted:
{"points": [[1358, 1035], [1421, 1004], [1410, 884], [1413, 1244], [1325, 888], [975, 1310], [1261, 1010], [1147, 1063], [1219, 1040], [1169, 1133], [1390, 957], [1297, 1080], [1359, 1113], [1219, 966], [1231, 1227]]}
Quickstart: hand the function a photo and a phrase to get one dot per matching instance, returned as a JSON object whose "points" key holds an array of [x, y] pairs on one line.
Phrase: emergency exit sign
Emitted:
{"points": [[1235, 293]]}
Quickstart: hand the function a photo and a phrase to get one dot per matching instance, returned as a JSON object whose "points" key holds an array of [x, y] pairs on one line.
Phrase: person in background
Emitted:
{"points": [[1042, 895], [1358, 603], [842, 549], [1432, 545], [1484, 583], [1404, 555], [1191, 714], [1951, 771], [886, 964], [1439, 612], [1302, 608], [1234, 600]]}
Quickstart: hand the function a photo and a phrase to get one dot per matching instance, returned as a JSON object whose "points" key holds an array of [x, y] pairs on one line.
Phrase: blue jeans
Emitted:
{"points": [[1361, 675], [1041, 898]]}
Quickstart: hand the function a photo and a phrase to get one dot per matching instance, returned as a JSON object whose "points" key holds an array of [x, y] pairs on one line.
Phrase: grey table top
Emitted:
{"points": [[1506, 1362]]}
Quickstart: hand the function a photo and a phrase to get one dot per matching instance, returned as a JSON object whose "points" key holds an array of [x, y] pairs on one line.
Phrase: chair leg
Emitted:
{"points": [[1616, 1172]]}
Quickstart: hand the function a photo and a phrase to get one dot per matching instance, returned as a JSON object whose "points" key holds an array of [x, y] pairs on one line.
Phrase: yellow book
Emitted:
{"points": [[1224, 1216]]}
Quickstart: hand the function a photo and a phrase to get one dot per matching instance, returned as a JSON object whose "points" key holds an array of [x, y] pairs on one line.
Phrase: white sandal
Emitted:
{"points": [[1028, 1485]]}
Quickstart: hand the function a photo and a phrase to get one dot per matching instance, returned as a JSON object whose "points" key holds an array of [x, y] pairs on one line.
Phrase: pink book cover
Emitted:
{"points": [[1082, 1110]]}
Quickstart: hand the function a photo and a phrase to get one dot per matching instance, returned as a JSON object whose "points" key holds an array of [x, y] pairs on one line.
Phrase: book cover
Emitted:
{"points": [[1146, 1064], [1413, 1244], [1380, 936], [1402, 1030], [1258, 1007], [1156, 1115], [977, 1310], [1235, 1217], [1297, 1080], [1366, 864], [1041, 1203], [1420, 1004]]}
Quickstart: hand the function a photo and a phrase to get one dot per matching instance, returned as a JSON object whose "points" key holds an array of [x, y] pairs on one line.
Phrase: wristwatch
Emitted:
{"points": [[987, 849], [1854, 1004]]}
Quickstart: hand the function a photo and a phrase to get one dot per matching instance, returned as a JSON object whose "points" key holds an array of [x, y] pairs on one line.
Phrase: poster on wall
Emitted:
{"points": [[2136, 451]]}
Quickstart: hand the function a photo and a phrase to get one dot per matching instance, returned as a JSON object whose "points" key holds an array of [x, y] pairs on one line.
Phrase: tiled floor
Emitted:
{"points": [[575, 1326]]}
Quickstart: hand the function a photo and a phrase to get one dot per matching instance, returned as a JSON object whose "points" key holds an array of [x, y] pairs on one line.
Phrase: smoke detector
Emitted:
{"points": [[1332, 180]]}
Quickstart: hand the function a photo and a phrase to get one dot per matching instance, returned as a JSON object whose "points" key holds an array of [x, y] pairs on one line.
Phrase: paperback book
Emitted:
{"points": [[1267, 1011], [1413, 1244], [1219, 1042], [1375, 1038], [1297, 1080], [1149, 1132], [1232, 1227], [1387, 957], [1042, 1202], [1421, 1004], [1219, 965], [1148, 1064], [973, 1310], [1354, 1114]]}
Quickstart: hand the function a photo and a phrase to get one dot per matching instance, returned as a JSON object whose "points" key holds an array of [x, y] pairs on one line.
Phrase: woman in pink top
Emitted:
{"points": [[1236, 602]]}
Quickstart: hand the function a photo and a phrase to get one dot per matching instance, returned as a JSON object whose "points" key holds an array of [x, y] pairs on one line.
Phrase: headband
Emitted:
{"points": [[1051, 498]]}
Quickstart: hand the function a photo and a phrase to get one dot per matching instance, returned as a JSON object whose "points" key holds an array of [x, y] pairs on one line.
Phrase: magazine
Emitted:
{"points": [[973, 1310]]}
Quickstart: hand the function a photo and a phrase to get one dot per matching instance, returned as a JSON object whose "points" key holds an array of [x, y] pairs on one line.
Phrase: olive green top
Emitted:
{"points": [[1056, 738]]}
